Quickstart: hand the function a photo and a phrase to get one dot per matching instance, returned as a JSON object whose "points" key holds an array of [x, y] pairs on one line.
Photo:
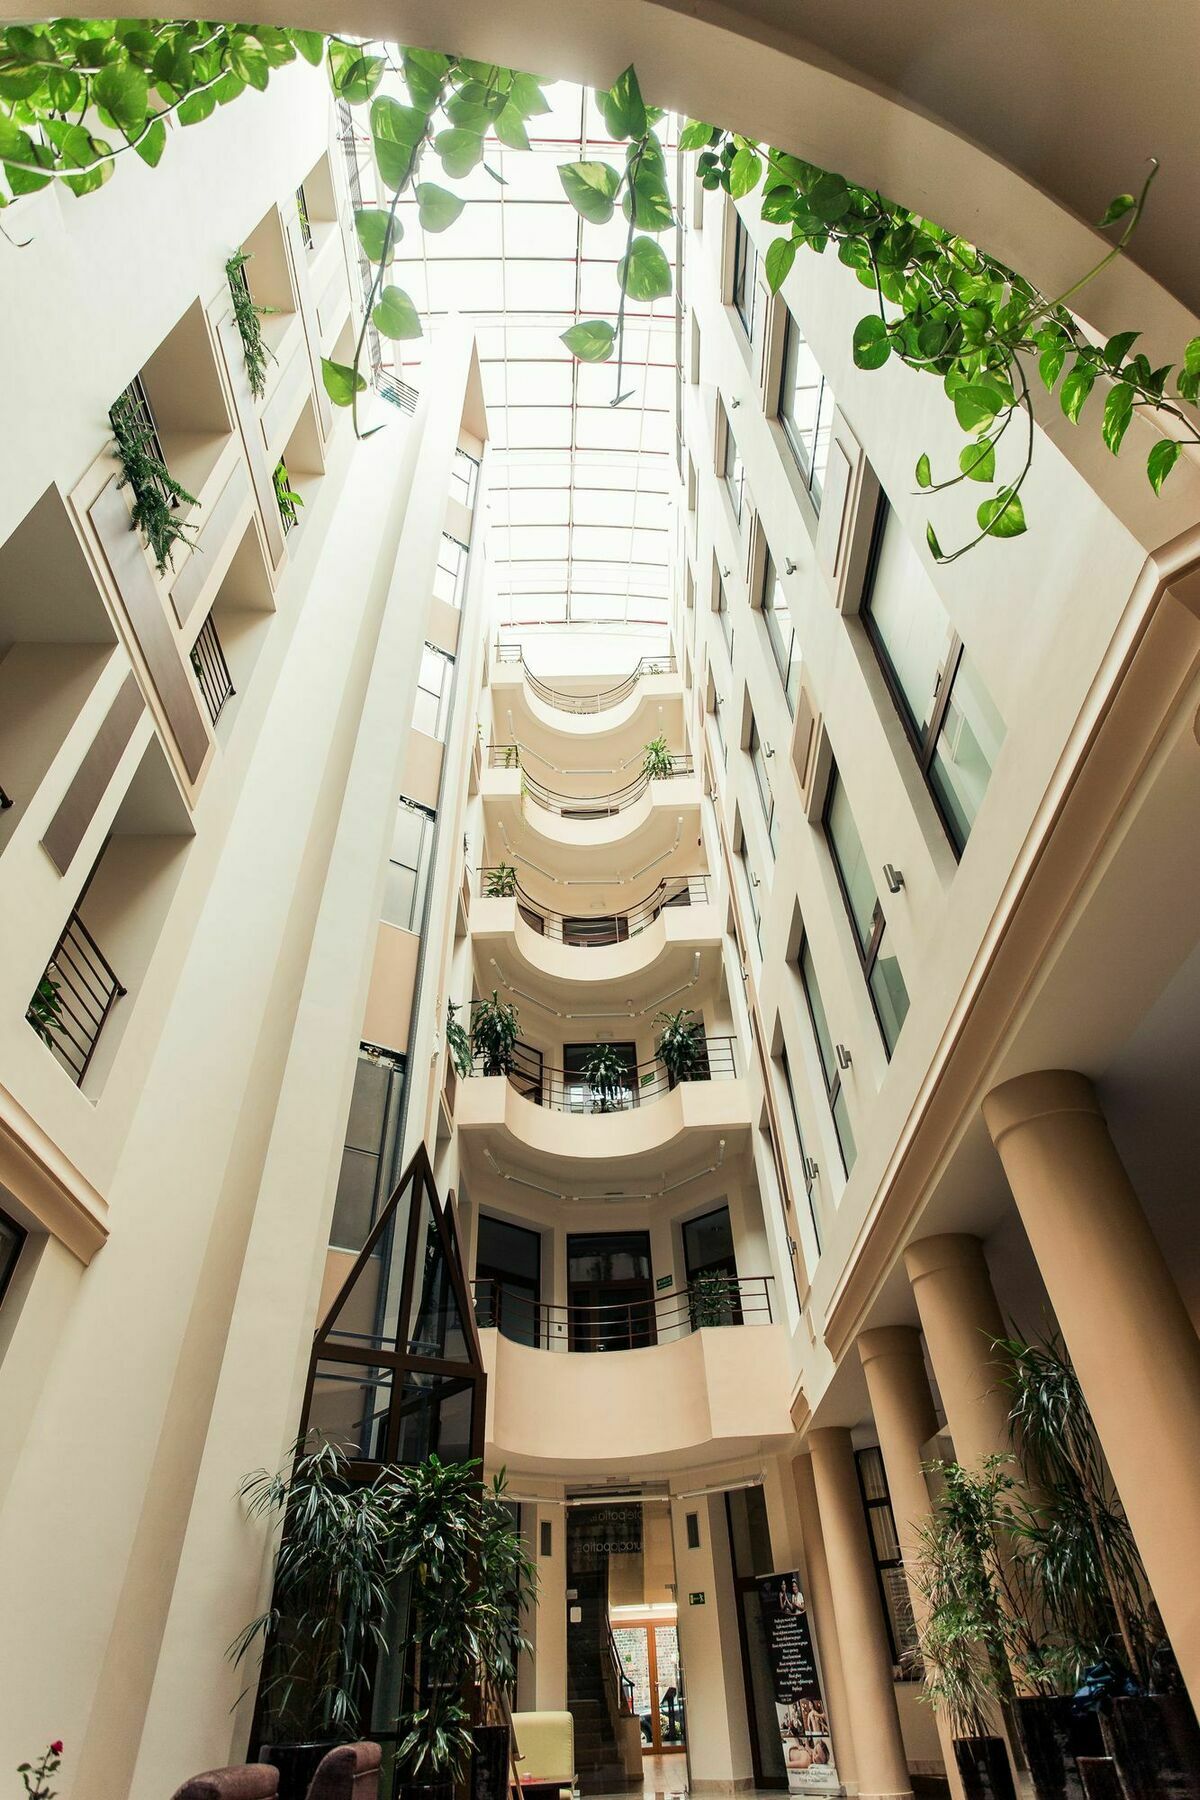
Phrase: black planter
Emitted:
{"points": [[1100, 1779], [422, 1790], [984, 1768], [1055, 1735], [297, 1764], [1155, 1742], [489, 1762]]}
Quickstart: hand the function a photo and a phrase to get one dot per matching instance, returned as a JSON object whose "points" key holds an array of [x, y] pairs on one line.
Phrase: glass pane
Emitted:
{"points": [[909, 620], [435, 1420], [708, 1242], [871, 1474], [805, 409], [615, 1257], [819, 1021], [670, 1687], [784, 648], [845, 1136], [350, 1406], [633, 1648], [354, 1208], [509, 1247], [844, 841], [967, 746], [436, 1326], [889, 993], [11, 1239]]}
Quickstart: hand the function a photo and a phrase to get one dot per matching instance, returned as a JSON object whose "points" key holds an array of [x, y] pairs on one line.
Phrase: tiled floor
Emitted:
{"points": [[666, 1778]]}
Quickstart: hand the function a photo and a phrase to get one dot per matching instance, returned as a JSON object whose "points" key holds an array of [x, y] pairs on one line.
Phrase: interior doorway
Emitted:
{"points": [[649, 1652]]}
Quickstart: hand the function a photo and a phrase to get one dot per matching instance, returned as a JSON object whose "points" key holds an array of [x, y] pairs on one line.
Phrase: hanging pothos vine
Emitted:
{"points": [[77, 93]]}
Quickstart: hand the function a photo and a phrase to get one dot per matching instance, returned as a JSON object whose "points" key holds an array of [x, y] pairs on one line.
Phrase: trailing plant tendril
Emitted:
{"points": [[941, 306]]}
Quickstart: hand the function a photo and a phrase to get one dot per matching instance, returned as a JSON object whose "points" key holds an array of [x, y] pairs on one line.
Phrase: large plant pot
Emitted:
{"points": [[297, 1764], [489, 1762], [1155, 1742], [1100, 1779], [405, 1789], [1055, 1735], [984, 1768]]}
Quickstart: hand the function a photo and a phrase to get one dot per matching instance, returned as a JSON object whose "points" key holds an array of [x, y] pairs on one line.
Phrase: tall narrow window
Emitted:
{"points": [[752, 885], [889, 1564], [723, 615], [889, 996], [762, 781], [805, 410], [433, 692], [450, 576], [948, 713], [408, 866], [780, 632], [464, 475], [745, 271], [808, 1167], [830, 1067], [719, 728], [734, 472], [370, 1168], [12, 1238]]}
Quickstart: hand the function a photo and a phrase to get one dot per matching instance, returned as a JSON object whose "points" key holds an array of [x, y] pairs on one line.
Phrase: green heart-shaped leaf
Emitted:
{"points": [[591, 187], [371, 224], [645, 273], [395, 316], [341, 382], [591, 340], [871, 346], [437, 207], [459, 150]]}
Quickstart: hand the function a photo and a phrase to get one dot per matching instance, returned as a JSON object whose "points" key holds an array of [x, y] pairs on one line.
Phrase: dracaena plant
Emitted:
{"points": [[681, 1044], [608, 1075], [941, 305], [494, 1034], [458, 1041], [501, 882], [657, 761]]}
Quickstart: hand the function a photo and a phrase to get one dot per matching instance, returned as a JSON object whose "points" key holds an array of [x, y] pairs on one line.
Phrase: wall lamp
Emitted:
{"points": [[844, 1057], [789, 567], [893, 877], [734, 403]]}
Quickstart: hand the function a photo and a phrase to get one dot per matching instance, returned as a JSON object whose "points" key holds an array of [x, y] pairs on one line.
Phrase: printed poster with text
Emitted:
{"points": [[799, 1703]]}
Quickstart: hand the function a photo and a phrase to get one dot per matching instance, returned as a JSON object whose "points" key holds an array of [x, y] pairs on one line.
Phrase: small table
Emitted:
{"points": [[536, 1787]]}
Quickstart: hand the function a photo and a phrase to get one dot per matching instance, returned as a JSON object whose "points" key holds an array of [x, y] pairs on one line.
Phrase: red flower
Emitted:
{"points": [[56, 1747]]}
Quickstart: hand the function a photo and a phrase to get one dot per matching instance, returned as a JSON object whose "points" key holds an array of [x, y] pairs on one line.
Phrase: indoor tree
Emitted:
{"points": [[608, 1075], [682, 1047], [494, 1034], [657, 761]]}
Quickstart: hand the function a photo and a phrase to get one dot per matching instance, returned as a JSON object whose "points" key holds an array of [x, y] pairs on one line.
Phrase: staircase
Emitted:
{"points": [[597, 1753]]}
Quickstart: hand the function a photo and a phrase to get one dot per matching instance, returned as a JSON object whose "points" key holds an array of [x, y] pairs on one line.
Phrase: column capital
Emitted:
{"points": [[945, 1250], [1038, 1096], [890, 1340]]}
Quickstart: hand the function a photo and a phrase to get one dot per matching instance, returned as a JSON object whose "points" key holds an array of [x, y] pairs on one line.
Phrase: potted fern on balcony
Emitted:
{"points": [[682, 1048]]}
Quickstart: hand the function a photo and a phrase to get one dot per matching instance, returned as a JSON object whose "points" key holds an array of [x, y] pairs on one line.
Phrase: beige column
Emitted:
{"points": [[902, 1406], [862, 1632], [960, 1317], [819, 1598], [1124, 1323]]}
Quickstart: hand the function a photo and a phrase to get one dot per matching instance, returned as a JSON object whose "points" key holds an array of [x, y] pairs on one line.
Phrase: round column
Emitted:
{"points": [[819, 1598], [902, 1407], [862, 1632], [1129, 1335], [960, 1317]]}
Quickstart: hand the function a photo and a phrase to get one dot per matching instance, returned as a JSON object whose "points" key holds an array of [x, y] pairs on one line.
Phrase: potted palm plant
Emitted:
{"points": [[657, 762], [501, 882], [964, 1636], [607, 1074], [494, 1034], [320, 1636], [681, 1046], [1090, 1587]]}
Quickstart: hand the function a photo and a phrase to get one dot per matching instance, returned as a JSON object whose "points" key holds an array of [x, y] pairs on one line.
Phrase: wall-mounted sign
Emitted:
{"points": [[664, 1281], [799, 1702], [696, 1599]]}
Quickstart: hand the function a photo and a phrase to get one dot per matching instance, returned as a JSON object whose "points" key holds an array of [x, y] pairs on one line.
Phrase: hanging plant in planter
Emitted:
{"points": [[501, 882], [657, 762], [494, 1034], [710, 1299], [607, 1074], [248, 318], [458, 1041], [286, 497], [157, 496], [45, 1009], [681, 1048]]}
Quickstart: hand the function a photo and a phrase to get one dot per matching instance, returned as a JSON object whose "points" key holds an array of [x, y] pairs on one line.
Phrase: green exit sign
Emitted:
{"points": [[664, 1281], [695, 1599]]}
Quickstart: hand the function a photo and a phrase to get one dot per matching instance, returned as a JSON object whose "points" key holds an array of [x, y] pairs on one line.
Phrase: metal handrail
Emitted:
{"points": [[74, 998], [586, 703], [589, 930], [580, 806], [623, 1687], [715, 1301], [570, 1092]]}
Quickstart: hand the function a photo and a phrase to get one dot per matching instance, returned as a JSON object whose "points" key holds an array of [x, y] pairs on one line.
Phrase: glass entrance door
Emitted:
{"points": [[610, 1292], [650, 1658]]}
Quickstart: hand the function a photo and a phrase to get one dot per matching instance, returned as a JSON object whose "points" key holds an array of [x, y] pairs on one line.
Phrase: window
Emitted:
{"points": [[408, 866], [450, 576], [708, 1250], [433, 692], [610, 1291], [752, 885], [464, 476], [889, 996], [720, 730], [784, 648], [691, 488], [948, 713], [734, 471], [723, 614], [889, 1565], [508, 1279], [830, 1067], [805, 409], [370, 1167], [12, 1239], [758, 762], [807, 1166], [745, 271], [306, 235]]}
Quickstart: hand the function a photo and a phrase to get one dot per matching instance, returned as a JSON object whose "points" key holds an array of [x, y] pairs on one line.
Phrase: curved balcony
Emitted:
{"points": [[717, 1302], [596, 931], [582, 806], [603, 700], [639, 1085]]}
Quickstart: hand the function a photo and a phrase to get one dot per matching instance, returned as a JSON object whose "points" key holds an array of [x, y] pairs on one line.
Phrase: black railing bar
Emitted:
{"points": [[84, 975]]}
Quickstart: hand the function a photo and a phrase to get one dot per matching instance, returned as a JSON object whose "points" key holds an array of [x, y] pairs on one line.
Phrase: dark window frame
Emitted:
{"points": [[8, 1264], [868, 953], [733, 469], [923, 744], [806, 463], [744, 286], [766, 797], [831, 1078], [785, 1064], [902, 1656], [781, 654]]}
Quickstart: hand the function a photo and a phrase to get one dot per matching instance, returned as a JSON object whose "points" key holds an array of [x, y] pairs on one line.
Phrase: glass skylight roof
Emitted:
{"points": [[578, 525]]}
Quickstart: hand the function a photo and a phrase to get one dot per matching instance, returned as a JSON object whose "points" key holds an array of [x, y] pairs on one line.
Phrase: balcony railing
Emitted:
{"points": [[585, 703], [74, 998], [591, 929], [570, 1090], [581, 806], [632, 1324], [212, 671]]}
